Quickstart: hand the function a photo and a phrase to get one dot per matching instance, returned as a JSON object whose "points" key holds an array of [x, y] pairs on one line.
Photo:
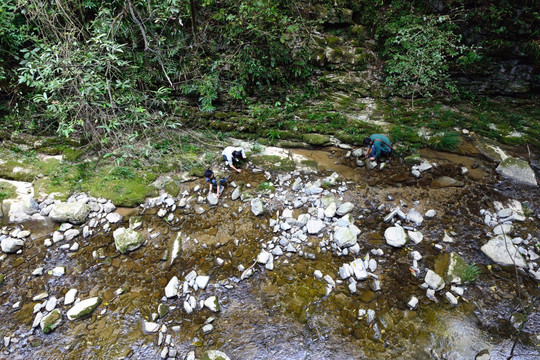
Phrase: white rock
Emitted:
{"points": [[502, 251], [212, 303], [345, 271], [329, 280], [314, 226], [330, 211], [37, 319], [171, 290], [344, 209], [208, 328], [318, 274], [345, 236], [71, 234], [69, 298], [413, 302], [451, 298], [415, 236], [414, 216], [395, 236], [447, 238], [212, 199], [114, 218], [201, 281], [59, 271], [263, 257], [430, 214], [38, 271], [433, 280], [51, 304], [359, 269], [150, 327], [83, 308]]}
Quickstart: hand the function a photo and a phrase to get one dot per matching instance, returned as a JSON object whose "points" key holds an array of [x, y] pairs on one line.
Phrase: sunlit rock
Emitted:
{"points": [[83, 308], [51, 321], [517, 170], [73, 212], [395, 236], [127, 240], [502, 251]]}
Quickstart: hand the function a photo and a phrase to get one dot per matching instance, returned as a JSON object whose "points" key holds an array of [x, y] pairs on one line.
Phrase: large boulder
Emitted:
{"points": [[502, 251], [517, 170], [83, 308], [73, 212], [127, 240]]}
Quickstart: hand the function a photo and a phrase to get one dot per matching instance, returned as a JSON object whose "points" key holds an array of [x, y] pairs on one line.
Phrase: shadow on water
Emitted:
{"points": [[284, 313]]}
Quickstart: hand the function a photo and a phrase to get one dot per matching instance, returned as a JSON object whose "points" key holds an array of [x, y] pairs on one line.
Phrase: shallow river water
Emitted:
{"points": [[284, 313]]}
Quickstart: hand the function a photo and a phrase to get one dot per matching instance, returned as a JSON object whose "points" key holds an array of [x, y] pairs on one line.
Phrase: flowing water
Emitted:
{"points": [[284, 313]]}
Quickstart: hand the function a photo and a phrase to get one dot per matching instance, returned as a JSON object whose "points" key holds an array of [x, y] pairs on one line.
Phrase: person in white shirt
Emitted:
{"points": [[233, 154]]}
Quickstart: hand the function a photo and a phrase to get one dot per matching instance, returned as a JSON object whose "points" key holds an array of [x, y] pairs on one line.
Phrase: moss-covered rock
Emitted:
{"points": [[414, 159], [45, 186], [15, 170], [163, 310], [51, 321], [358, 31], [450, 266], [7, 191], [517, 170], [127, 240], [317, 139], [273, 163], [72, 212], [197, 171], [171, 188], [214, 355], [122, 192], [83, 308], [70, 154]]}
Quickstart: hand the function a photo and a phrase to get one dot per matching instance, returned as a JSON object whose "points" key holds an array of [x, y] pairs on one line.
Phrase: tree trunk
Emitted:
{"points": [[193, 11]]}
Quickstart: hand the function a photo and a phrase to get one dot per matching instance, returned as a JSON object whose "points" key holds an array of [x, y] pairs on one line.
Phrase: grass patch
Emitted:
{"points": [[310, 163], [265, 187], [470, 273], [447, 142], [7, 191]]}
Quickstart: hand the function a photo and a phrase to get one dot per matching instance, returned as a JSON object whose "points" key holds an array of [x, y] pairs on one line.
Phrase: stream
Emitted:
{"points": [[284, 312]]}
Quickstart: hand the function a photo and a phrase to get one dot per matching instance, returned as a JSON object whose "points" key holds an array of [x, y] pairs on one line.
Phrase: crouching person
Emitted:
{"points": [[213, 183]]}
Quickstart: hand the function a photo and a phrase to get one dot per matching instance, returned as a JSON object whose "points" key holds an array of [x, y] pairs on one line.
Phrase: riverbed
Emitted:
{"points": [[285, 312]]}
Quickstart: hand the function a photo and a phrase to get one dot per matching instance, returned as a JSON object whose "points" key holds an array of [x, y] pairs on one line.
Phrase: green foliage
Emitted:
{"points": [[111, 68], [256, 149], [418, 51], [265, 187], [470, 273], [449, 141]]}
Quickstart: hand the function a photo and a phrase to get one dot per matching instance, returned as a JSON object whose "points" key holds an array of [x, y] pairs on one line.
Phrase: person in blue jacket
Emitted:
{"points": [[378, 145], [210, 178]]}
